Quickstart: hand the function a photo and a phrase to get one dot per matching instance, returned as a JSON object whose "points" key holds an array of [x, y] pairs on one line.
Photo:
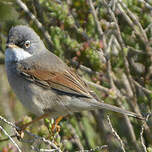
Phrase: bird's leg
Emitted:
{"points": [[23, 127], [55, 124]]}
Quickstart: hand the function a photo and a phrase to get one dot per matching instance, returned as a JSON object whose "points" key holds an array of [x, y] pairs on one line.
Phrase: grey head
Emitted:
{"points": [[25, 38]]}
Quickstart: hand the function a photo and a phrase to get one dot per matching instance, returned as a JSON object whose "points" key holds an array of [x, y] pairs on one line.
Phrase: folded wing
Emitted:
{"points": [[52, 73]]}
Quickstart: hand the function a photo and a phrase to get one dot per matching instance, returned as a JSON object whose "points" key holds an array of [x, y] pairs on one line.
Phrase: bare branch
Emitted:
{"points": [[104, 89], [141, 134], [11, 139], [98, 148], [141, 33], [47, 150], [142, 88], [93, 11], [115, 134], [147, 5]]}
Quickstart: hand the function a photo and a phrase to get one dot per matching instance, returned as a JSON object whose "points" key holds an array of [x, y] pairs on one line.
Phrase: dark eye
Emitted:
{"points": [[27, 44]]}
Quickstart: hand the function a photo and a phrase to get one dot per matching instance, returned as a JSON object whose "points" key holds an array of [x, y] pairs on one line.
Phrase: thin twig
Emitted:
{"points": [[98, 148], [147, 5], [9, 123], [142, 88], [100, 31], [84, 68], [99, 87], [48, 150], [136, 50], [11, 139], [148, 27], [115, 134], [141, 134], [141, 33], [6, 139], [48, 142]]}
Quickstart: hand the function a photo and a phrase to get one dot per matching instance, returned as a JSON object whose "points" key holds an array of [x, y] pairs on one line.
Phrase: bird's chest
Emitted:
{"points": [[27, 92]]}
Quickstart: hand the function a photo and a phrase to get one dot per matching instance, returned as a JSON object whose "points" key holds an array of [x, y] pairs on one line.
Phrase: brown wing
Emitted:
{"points": [[65, 80]]}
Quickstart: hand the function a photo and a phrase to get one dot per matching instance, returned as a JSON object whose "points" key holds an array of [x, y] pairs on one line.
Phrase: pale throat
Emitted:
{"points": [[16, 54]]}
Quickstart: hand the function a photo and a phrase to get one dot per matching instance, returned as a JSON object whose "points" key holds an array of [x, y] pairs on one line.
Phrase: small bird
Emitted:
{"points": [[44, 84]]}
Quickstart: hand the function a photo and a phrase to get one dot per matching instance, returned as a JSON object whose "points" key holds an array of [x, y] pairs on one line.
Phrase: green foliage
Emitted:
{"points": [[91, 26]]}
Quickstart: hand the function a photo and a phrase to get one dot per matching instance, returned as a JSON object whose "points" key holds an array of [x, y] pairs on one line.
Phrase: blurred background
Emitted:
{"points": [[109, 44]]}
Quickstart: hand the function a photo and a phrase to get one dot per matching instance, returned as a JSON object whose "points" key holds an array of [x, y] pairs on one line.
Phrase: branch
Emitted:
{"points": [[141, 33], [147, 5], [93, 11], [84, 68], [141, 133], [4, 131], [142, 88], [99, 87], [98, 148], [115, 134]]}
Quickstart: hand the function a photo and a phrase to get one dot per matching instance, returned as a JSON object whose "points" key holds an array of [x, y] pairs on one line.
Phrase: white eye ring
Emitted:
{"points": [[27, 44]]}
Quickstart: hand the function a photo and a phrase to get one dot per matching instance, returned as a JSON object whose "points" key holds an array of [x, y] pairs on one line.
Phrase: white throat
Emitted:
{"points": [[16, 54]]}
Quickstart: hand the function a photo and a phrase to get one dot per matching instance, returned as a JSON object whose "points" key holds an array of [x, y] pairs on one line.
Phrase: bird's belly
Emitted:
{"points": [[24, 92]]}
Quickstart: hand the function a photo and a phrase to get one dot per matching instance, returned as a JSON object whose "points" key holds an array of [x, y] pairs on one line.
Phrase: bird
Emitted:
{"points": [[44, 84]]}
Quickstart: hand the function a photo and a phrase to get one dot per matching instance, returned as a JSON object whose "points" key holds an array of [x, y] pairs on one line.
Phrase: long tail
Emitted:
{"points": [[100, 105]]}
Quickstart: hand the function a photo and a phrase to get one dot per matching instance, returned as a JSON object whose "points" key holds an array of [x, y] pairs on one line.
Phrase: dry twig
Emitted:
{"points": [[141, 133], [10, 138], [115, 134]]}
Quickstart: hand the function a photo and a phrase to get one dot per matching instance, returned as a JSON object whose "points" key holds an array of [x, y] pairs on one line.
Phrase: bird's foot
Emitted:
{"points": [[56, 127]]}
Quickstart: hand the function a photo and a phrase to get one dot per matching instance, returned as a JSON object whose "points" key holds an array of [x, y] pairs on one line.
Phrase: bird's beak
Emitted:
{"points": [[11, 45]]}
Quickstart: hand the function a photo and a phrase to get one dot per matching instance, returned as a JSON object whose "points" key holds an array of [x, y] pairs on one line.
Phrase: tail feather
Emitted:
{"points": [[101, 105]]}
